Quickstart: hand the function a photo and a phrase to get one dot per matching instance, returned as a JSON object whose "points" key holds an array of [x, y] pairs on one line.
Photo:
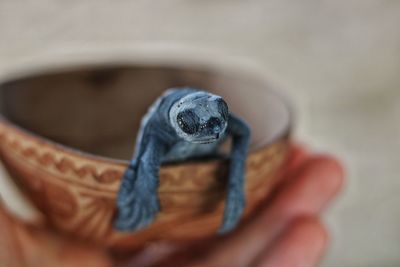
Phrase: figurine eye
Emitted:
{"points": [[188, 121], [223, 108]]}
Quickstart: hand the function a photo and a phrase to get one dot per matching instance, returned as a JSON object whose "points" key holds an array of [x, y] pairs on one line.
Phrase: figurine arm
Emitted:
{"points": [[137, 199], [235, 200]]}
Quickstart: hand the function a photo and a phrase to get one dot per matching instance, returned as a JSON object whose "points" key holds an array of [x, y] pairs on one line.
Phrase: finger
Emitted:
{"points": [[297, 154], [313, 187], [315, 184], [153, 254], [302, 245], [10, 255]]}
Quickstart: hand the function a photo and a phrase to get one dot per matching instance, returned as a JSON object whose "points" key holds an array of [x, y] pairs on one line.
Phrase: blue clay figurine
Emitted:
{"points": [[184, 123]]}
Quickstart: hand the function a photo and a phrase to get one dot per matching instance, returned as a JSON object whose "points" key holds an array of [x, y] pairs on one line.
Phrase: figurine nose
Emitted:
{"points": [[217, 129], [215, 125]]}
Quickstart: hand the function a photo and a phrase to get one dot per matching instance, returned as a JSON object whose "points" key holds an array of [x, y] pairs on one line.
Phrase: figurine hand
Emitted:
{"points": [[285, 232]]}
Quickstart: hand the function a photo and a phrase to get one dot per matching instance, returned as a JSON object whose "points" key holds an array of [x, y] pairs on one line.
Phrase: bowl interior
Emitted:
{"points": [[98, 109]]}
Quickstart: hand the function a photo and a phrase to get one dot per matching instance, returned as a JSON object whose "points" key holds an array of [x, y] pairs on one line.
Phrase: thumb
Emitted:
{"points": [[10, 254], [27, 246]]}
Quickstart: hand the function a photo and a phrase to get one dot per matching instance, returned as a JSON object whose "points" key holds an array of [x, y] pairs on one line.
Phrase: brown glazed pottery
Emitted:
{"points": [[66, 136]]}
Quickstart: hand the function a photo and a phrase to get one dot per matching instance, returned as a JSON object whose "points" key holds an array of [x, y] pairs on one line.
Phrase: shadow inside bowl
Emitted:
{"points": [[98, 110]]}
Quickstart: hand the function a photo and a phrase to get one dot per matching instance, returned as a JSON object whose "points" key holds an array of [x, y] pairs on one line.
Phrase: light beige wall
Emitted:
{"points": [[338, 60]]}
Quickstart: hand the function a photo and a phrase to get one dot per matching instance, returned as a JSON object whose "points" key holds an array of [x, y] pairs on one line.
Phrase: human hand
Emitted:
{"points": [[24, 245], [285, 232]]}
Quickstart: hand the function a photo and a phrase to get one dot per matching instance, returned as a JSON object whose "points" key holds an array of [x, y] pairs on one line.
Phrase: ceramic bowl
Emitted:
{"points": [[66, 136]]}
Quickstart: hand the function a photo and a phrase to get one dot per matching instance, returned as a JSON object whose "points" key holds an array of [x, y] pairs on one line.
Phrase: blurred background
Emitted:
{"points": [[339, 61]]}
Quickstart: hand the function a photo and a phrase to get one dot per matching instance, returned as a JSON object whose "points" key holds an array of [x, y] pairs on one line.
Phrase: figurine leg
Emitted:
{"points": [[235, 200], [138, 202]]}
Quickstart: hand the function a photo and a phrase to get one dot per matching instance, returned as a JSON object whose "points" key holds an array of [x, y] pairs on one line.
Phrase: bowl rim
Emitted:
{"points": [[148, 58]]}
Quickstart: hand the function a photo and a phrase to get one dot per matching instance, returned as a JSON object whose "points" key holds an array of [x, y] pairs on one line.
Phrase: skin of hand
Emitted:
{"points": [[284, 232]]}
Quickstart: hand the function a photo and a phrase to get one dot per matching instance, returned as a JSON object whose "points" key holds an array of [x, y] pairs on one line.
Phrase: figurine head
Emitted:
{"points": [[200, 117]]}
